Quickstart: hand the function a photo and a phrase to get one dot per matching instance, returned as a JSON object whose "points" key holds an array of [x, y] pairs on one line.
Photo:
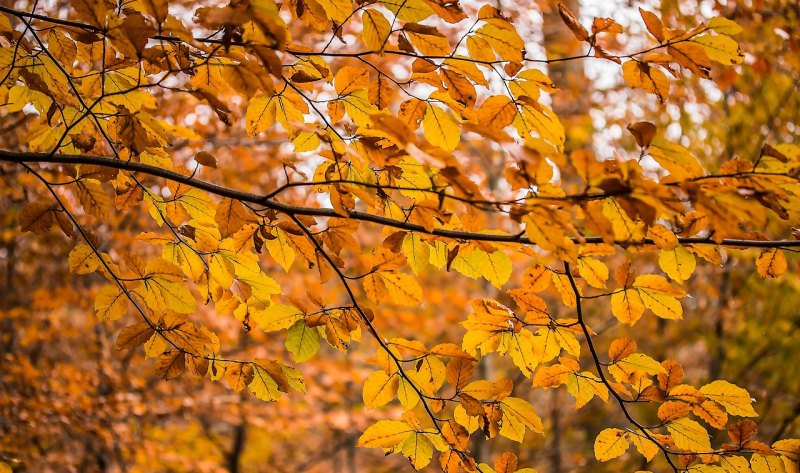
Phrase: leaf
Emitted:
{"points": [[239, 376], [375, 30], [379, 389], [653, 24], [621, 348], [306, 141], [277, 317], [643, 132], [263, 386], [441, 128], [94, 198], [281, 249], [337, 10], [506, 463], [418, 449], [721, 49], [402, 289], [498, 268], [427, 39], [111, 303], [647, 448], [350, 79], [572, 23], [133, 336], [627, 306], [503, 39], [659, 296], [724, 26], [610, 443], [734, 399], [498, 111], [518, 414], [771, 263], [678, 263], [171, 364], [408, 10], [36, 217], [416, 251], [83, 260], [593, 271], [689, 435], [385, 434], [766, 464], [640, 75], [302, 341], [260, 114]]}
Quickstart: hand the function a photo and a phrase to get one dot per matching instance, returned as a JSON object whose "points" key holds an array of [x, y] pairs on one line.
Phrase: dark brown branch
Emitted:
{"points": [[22, 157], [599, 367]]}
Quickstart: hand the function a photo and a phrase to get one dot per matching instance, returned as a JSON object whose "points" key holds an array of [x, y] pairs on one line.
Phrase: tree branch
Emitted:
{"points": [[23, 157]]}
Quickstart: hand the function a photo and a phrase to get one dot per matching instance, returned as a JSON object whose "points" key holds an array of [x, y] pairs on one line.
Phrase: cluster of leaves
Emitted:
{"points": [[380, 126]]}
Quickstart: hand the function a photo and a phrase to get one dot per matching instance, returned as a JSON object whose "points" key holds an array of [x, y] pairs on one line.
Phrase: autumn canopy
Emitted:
{"points": [[472, 236]]}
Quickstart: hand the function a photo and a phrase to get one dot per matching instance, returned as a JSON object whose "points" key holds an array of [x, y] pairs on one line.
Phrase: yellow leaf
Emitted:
{"points": [[337, 10], [375, 30], [734, 399], [640, 75], [441, 128], [771, 263], [406, 395], [358, 107], [427, 39], [641, 362], [408, 10], [402, 289], [584, 386], [111, 303], [534, 117], [733, 464], [418, 449], [721, 49], [675, 159], [659, 296], [661, 236], [689, 435], [260, 114], [471, 423], [281, 249], [416, 251], [621, 224], [155, 346], [302, 341], [644, 446], [379, 388], [517, 415], [306, 141], [766, 464], [276, 317], [609, 444], [385, 434], [94, 198], [83, 260], [351, 78], [724, 26], [498, 268], [593, 271], [564, 287], [504, 39], [678, 263], [263, 386]]}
